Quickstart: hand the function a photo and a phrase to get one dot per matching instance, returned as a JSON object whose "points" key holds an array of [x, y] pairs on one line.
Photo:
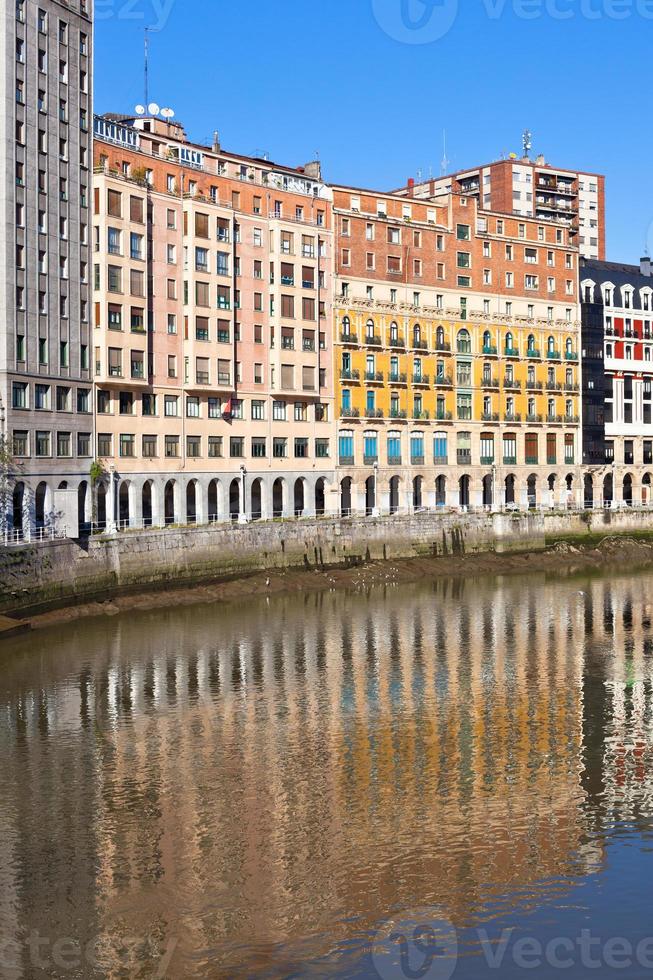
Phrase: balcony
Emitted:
{"points": [[509, 460], [349, 413], [421, 416], [487, 460], [551, 461], [489, 382], [571, 387], [443, 381], [371, 460], [398, 343], [420, 345], [512, 417], [490, 350], [374, 413], [511, 352], [346, 460], [398, 413], [531, 417], [394, 460], [350, 375], [533, 352], [374, 377], [554, 419], [531, 460], [553, 386], [442, 416], [464, 457], [572, 419], [512, 384], [440, 460], [348, 338], [417, 461], [423, 380], [534, 386], [553, 355], [398, 378], [571, 356], [443, 347], [373, 341], [489, 416]]}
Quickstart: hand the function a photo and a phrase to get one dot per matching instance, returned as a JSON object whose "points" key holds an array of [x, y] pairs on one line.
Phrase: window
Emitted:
{"points": [[172, 447], [42, 443], [20, 443], [193, 447], [236, 447], [171, 406], [19, 397], [346, 448], [215, 447]]}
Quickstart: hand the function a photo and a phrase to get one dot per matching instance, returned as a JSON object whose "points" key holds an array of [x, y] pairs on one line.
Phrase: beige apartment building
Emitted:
{"points": [[213, 363]]}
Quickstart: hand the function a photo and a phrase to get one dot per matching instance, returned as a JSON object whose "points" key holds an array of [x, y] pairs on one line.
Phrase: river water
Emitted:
{"points": [[449, 779]]}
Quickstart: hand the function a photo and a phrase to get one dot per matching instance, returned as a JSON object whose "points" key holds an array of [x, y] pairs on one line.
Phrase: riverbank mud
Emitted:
{"points": [[563, 558]]}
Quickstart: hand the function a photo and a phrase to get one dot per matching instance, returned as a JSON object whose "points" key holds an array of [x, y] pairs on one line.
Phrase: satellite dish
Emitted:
{"points": [[167, 113], [154, 109], [140, 110]]}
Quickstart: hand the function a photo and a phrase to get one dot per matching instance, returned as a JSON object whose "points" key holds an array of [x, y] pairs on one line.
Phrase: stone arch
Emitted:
{"points": [[63, 485], [299, 497], [531, 485], [646, 489], [395, 483], [320, 497], [588, 492], [441, 491], [124, 509], [370, 495], [256, 499], [608, 490], [169, 492], [101, 505], [345, 497], [511, 489], [192, 488], [418, 492], [488, 490], [628, 490], [82, 507], [41, 504], [214, 501], [234, 500], [147, 503], [463, 491], [278, 497], [19, 508]]}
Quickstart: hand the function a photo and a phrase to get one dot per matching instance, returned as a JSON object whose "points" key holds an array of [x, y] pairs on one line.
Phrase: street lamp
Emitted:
{"points": [[375, 509], [242, 515]]}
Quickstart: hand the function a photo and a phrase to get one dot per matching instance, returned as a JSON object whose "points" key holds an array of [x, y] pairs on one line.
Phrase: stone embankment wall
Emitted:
{"points": [[37, 577]]}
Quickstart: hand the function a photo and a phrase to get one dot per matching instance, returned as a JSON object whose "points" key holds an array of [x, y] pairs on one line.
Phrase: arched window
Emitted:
{"points": [[487, 342], [569, 376], [369, 329], [440, 449], [394, 448], [417, 335], [370, 447], [531, 343], [346, 326], [551, 345], [568, 345], [394, 332], [346, 447], [439, 338], [569, 408], [464, 343], [509, 341], [417, 448]]}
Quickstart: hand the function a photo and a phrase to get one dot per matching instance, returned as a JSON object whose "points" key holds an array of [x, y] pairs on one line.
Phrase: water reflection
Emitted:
{"points": [[254, 789]]}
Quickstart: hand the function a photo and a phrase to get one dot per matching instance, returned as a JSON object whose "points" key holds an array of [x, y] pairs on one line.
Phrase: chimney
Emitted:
{"points": [[313, 169], [216, 141], [645, 266], [541, 160], [411, 187]]}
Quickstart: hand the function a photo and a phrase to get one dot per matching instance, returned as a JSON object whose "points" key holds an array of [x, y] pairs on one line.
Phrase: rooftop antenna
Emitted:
{"points": [[527, 141], [148, 31], [445, 159]]}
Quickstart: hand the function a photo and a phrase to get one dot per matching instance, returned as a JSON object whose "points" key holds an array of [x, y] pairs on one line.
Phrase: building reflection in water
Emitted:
{"points": [[263, 782]]}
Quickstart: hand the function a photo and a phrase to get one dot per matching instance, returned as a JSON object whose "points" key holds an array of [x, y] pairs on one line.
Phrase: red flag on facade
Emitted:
{"points": [[227, 410]]}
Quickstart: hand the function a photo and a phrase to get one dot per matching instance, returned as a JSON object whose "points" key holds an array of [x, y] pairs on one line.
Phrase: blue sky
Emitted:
{"points": [[372, 84]]}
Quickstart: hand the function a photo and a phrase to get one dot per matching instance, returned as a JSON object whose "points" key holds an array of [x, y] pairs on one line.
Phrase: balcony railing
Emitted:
{"points": [[370, 460], [571, 355], [531, 417], [554, 418], [509, 460], [397, 378], [443, 381], [398, 413], [512, 417], [572, 419], [464, 457], [442, 416], [489, 382], [394, 460], [534, 386], [348, 338], [511, 352], [512, 384], [533, 352], [346, 460], [397, 342], [489, 416], [419, 344], [374, 376], [421, 416], [489, 350], [373, 341], [421, 379], [553, 355], [487, 460], [443, 346], [350, 375], [531, 460], [349, 413], [553, 386], [374, 413], [417, 460]]}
